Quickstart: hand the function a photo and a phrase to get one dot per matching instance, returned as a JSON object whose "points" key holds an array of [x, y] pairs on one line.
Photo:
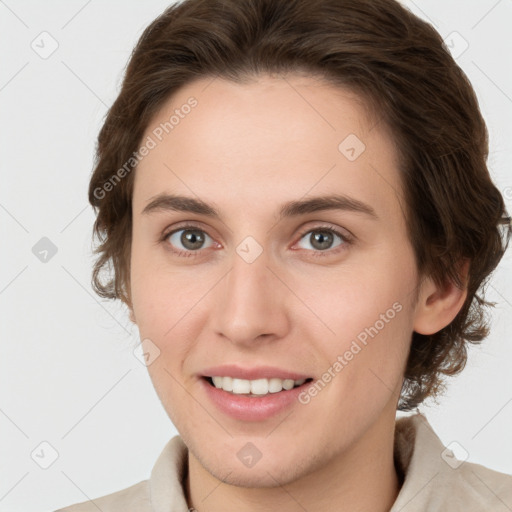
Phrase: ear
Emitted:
{"points": [[438, 305]]}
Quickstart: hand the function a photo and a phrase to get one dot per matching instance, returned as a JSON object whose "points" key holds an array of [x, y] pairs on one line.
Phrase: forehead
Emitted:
{"points": [[282, 137]]}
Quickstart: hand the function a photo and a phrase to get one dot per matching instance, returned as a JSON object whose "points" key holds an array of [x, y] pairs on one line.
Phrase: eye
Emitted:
{"points": [[323, 239], [187, 240], [190, 240]]}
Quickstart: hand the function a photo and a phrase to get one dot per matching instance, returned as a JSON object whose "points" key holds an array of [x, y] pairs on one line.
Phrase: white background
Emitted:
{"points": [[68, 375]]}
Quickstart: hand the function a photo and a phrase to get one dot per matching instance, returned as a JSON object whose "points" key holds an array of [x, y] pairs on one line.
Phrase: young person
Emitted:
{"points": [[295, 201]]}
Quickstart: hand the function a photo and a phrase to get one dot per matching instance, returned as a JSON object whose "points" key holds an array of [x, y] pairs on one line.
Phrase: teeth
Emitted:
{"points": [[255, 387]]}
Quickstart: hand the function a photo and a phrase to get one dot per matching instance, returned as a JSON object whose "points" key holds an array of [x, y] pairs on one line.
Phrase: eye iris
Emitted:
{"points": [[321, 239], [192, 239]]}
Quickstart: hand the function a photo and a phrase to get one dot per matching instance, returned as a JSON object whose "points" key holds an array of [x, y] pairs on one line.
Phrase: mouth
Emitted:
{"points": [[254, 388]]}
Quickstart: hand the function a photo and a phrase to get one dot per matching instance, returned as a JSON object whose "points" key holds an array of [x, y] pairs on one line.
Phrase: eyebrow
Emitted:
{"points": [[170, 202]]}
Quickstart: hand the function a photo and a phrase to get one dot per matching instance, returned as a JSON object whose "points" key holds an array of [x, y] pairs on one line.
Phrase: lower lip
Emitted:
{"points": [[255, 408]]}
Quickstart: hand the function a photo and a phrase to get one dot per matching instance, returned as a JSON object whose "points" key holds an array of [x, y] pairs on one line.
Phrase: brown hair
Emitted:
{"points": [[379, 50]]}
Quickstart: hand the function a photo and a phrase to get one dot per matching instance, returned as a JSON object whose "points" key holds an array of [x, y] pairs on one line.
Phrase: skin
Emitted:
{"points": [[247, 149]]}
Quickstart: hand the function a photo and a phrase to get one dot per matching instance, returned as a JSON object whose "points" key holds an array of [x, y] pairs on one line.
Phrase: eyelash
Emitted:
{"points": [[346, 240]]}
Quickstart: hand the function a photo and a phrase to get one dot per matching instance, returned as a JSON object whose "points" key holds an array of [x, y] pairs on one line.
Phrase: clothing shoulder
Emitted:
{"points": [[480, 488], [135, 498], [162, 491], [435, 480]]}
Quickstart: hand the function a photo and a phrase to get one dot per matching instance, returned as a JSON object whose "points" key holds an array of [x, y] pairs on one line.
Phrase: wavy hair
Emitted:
{"points": [[401, 68]]}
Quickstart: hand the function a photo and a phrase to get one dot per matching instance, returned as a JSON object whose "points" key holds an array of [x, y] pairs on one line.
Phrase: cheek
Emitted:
{"points": [[167, 305], [364, 293], [369, 326], [163, 295], [362, 364]]}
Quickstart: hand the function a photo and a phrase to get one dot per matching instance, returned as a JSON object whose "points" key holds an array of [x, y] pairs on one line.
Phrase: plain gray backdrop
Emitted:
{"points": [[73, 396]]}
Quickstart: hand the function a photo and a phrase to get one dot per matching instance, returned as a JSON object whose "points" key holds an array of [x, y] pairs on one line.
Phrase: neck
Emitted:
{"points": [[363, 478]]}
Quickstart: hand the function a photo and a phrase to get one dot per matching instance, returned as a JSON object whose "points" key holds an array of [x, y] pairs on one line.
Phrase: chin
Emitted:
{"points": [[273, 469], [263, 476]]}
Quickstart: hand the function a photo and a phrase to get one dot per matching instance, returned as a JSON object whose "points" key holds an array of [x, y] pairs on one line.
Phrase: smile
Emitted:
{"points": [[257, 387]]}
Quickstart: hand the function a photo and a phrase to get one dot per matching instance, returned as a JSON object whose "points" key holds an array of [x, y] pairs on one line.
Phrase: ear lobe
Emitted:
{"points": [[438, 305]]}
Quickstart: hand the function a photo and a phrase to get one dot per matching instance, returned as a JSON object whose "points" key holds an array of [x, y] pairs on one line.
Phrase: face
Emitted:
{"points": [[251, 278]]}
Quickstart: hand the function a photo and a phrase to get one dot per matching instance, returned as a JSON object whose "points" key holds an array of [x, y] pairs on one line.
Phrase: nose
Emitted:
{"points": [[251, 303]]}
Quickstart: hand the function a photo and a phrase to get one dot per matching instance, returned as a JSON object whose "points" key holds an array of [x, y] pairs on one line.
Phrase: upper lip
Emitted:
{"points": [[258, 372]]}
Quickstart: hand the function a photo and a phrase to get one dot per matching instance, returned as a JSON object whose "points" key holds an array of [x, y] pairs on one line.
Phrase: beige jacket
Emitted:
{"points": [[435, 481]]}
